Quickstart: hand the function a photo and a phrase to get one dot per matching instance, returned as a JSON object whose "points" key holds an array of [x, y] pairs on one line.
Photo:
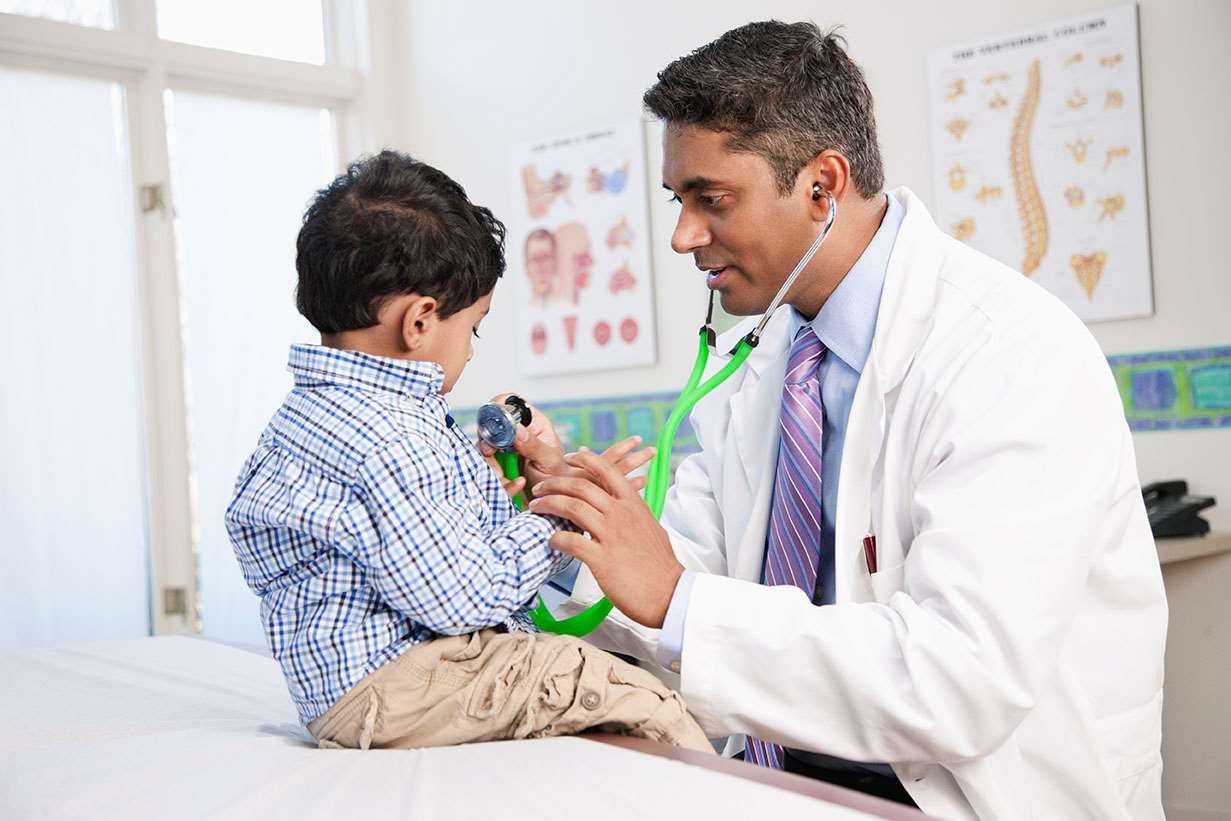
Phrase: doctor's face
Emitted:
{"points": [[742, 232]]}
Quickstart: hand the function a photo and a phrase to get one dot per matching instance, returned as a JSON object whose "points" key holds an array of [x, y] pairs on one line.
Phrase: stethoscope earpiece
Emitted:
{"points": [[816, 191]]}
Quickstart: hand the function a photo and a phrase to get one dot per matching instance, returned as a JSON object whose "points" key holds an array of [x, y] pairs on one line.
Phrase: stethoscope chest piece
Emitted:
{"points": [[498, 421]]}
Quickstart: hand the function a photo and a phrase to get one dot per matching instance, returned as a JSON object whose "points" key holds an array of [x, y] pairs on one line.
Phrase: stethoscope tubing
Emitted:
{"points": [[659, 472]]}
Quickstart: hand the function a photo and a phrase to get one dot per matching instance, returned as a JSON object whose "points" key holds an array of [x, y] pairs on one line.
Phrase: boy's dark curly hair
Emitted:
{"points": [[393, 225]]}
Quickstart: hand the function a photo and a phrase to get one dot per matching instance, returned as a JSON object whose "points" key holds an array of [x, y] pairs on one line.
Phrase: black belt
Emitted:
{"points": [[864, 781]]}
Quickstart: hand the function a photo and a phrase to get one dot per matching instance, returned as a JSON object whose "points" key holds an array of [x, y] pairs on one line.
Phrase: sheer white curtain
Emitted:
{"points": [[73, 543], [242, 174]]}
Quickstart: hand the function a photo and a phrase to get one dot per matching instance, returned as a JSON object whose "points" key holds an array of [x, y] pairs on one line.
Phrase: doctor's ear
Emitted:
{"points": [[827, 173]]}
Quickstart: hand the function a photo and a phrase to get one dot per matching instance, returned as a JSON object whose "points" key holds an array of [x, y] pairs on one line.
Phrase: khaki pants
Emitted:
{"points": [[489, 686]]}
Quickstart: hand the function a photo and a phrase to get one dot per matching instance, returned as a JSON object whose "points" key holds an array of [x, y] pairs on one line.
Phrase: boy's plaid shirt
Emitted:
{"points": [[367, 523]]}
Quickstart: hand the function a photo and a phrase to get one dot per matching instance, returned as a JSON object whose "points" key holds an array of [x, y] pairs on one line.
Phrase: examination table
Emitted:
{"points": [[181, 727]]}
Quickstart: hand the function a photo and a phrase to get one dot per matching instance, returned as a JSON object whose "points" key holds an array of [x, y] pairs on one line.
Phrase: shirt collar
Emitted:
{"points": [[847, 321], [318, 365]]}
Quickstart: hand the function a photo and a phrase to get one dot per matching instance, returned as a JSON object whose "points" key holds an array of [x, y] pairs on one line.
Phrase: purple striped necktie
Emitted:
{"points": [[793, 545]]}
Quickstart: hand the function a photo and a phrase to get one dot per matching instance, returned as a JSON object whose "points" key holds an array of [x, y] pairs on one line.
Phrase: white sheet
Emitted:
{"points": [[180, 727]]}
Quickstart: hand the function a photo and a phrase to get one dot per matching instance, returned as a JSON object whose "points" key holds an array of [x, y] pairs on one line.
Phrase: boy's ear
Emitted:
{"points": [[419, 319]]}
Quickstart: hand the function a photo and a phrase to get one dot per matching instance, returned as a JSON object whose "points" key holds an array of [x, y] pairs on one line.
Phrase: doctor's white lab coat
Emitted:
{"points": [[1007, 656]]}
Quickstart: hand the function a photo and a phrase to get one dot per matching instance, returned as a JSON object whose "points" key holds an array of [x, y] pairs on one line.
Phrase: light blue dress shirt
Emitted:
{"points": [[845, 325]]}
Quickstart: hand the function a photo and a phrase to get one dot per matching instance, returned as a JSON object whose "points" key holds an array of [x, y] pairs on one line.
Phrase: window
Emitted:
{"points": [[72, 492], [155, 161], [285, 29], [96, 13], [256, 163]]}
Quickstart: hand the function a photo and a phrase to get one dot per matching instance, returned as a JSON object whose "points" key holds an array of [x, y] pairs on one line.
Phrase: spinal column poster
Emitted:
{"points": [[579, 252], [1037, 158]]}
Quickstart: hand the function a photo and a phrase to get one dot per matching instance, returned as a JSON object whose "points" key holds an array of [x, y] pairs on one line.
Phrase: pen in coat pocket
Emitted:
{"points": [[869, 551]]}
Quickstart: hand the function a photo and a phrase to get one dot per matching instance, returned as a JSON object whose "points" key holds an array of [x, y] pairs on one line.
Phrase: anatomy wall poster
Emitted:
{"points": [[1038, 158], [579, 254]]}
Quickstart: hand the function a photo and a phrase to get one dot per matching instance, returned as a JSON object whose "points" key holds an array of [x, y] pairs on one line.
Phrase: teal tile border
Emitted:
{"points": [[1167, 390], [1175, 390]]}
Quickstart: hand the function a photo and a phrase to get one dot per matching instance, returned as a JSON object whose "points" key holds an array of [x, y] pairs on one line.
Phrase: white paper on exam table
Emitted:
{"points": [[177, 726]]}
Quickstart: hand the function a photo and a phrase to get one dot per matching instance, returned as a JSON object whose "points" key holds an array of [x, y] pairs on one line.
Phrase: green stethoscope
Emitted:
{"points": [[497, 426]]}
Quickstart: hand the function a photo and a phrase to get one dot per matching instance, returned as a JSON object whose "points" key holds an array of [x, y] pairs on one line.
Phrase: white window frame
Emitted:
{"points": [[132, 54]]}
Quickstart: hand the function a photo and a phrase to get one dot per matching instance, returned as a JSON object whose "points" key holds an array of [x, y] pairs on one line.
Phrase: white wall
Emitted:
{"points": [[480, 77]]}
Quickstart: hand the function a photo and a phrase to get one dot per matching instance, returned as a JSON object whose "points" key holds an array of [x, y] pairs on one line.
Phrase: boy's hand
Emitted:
{"points": [[543, 455], [538, 445]]}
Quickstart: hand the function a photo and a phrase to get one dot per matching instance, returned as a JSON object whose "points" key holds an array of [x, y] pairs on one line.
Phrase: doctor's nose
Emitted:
{"points": [[690, 234]]}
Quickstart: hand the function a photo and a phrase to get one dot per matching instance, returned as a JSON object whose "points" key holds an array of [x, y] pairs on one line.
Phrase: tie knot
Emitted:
{"points": [[806, 353]]}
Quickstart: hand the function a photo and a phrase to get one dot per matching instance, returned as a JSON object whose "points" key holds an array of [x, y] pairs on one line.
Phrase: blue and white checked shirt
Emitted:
{"points": [[367, 523]]}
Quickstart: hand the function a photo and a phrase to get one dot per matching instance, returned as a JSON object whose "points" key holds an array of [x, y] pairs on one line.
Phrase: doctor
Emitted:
{"points": [[911, 556]]}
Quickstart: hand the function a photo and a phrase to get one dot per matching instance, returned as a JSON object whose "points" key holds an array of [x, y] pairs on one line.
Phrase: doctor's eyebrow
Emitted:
{"points": [[692, 184]]}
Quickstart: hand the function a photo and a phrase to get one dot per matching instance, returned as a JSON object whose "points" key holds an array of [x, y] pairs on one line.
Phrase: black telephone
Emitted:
{"points": [[1172, 512]]}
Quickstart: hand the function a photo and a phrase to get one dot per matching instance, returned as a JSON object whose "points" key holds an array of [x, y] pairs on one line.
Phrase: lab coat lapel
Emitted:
{"points": [[902, 321], [755, 432], [909, 295]]}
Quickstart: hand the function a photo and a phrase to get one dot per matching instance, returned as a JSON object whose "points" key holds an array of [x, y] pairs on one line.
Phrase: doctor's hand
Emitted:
{"points": [[628, 551]]}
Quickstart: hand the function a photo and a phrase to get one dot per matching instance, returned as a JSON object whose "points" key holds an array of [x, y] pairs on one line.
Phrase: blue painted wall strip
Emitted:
{"points": [[1187, 389]]}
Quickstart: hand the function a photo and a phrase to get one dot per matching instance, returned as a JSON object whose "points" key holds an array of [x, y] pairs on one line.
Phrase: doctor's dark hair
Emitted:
{"points": [[392, 225], [784, 91]]}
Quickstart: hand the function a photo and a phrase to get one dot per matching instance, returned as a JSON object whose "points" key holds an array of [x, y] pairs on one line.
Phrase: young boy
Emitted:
{"points": [[383, 547]]}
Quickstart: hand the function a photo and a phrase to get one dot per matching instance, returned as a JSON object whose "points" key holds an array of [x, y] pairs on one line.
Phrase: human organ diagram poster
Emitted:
{"points": [[1038, 158], [579, 252]]}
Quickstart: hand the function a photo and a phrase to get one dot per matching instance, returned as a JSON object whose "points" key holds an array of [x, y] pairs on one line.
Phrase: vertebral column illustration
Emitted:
{"points": [[1029, 204]]}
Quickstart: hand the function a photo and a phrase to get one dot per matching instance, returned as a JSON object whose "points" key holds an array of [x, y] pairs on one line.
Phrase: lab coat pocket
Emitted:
{"points": [[888, 580], [1132, 741], [1132, 738]]}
